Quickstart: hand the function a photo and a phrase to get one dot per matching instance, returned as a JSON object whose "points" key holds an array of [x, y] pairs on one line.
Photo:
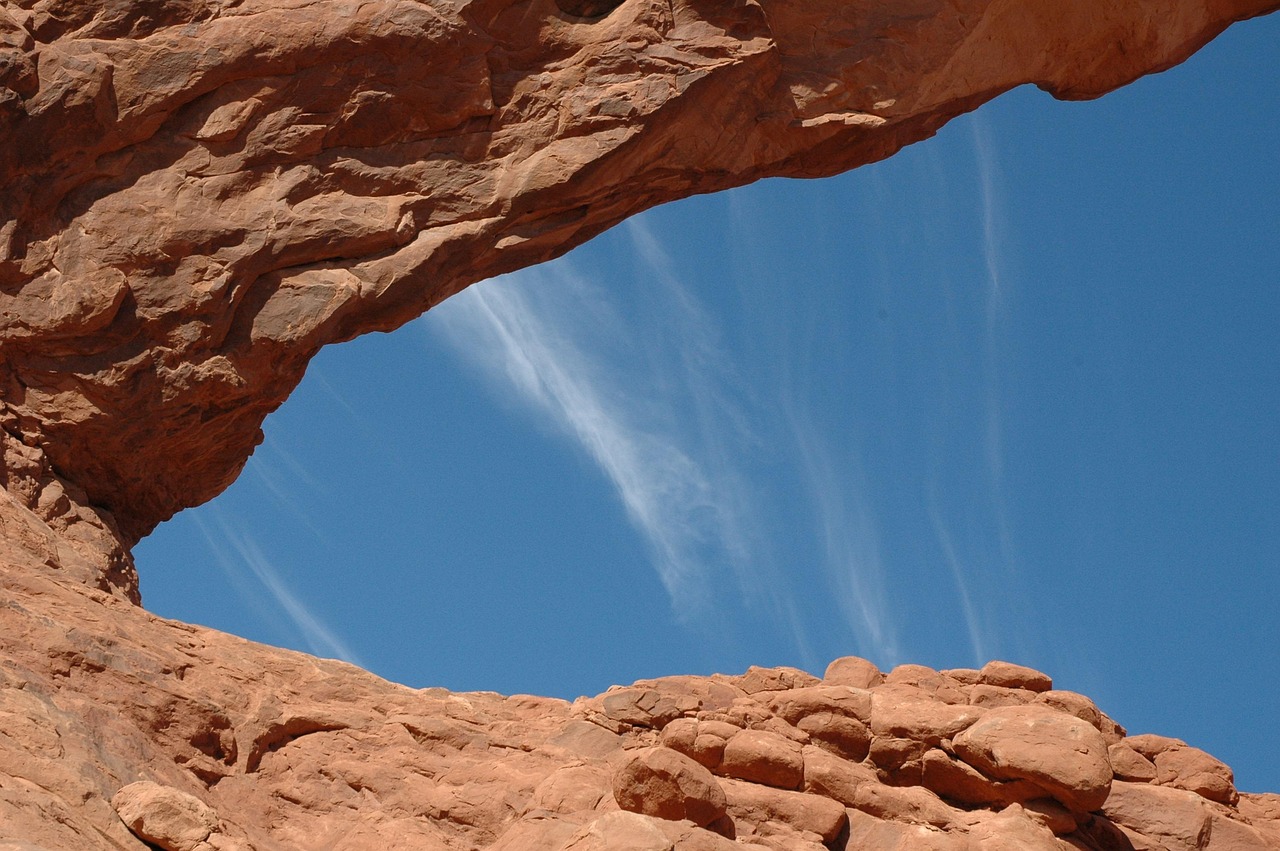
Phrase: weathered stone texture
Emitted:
{"points": [[128, 727], [200, 194]]}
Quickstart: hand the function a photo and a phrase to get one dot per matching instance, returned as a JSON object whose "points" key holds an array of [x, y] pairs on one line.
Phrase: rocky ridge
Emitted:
{"points": [[125, 728], [199, 194]]}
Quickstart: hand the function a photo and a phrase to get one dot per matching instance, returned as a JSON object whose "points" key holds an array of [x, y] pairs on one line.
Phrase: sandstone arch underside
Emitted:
{"points": [[198, 195]]}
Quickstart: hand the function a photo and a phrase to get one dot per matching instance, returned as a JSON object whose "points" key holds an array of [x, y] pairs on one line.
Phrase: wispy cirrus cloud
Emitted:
{"points": [[640, 408], [245, 564], [641, 379], [1002, 571], [986, 160], [849, 541]]}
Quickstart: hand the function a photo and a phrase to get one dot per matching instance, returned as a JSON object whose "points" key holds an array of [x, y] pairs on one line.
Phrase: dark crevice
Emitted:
{"points": [[592, 10]]}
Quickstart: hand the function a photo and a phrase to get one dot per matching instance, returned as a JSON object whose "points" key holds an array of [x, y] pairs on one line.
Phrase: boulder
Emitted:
{"points": [[854, 672], [868, 833], [1062, 754], [763, 757], [756, 805], [927, 721], [619, 831], [665, 784], [1175, 819], [1128, 764], [1073, 704], [1196, 771], [166, 817], [794, 705], [1009, 675]]}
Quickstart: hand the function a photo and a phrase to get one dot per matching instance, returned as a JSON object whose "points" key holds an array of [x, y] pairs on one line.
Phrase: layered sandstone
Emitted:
{"points": [[199, 194]]}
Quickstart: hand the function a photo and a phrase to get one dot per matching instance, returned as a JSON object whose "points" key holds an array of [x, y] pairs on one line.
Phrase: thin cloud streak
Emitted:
{"points": [[972, 623], [986, 161], [319, 638], [838, 525], [850, 544], [283, 485], [659, 407], [999, 293], [525, 332]]}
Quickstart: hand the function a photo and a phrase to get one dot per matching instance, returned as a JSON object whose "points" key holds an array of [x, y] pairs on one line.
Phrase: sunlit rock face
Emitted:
{"points": [[129, 728], [199, 194]]}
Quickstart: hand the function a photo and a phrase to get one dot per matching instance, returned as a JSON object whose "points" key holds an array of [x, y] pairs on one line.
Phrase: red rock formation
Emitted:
{"points": [[128, 725], [199, 194]]}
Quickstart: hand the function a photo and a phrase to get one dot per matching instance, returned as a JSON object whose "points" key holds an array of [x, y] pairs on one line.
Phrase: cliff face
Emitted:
{"points": [[199, 194]]}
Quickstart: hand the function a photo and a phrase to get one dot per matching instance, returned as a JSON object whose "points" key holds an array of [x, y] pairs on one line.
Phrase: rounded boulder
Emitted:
{"points": [[1062, 754], [665, 784]]}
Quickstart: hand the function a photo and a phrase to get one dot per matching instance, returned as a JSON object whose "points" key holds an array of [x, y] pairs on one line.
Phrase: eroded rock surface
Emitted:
{"points": [[199, 194], [118, 727]]}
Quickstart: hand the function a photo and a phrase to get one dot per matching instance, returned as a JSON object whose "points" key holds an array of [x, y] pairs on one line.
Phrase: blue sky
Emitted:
{"points": [[1010, 394]]}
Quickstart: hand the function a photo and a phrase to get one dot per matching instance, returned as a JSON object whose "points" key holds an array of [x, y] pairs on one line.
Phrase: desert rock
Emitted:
{"points": [[763, 757], [166, 817], [200, 194], [315, 750], [1058, 752], [660, 782]]}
